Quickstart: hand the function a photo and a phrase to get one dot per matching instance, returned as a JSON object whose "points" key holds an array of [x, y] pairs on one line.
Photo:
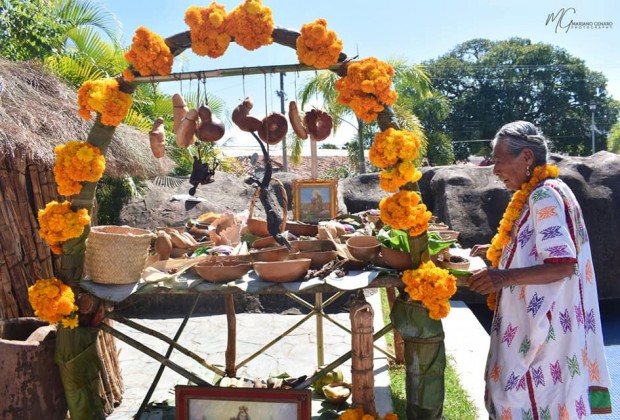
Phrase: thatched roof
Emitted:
{"points": [[39, 112]]}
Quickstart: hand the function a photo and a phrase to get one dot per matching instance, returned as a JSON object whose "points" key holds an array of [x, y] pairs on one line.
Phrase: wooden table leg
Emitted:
{"points": [[318, 308], [231, 347]]}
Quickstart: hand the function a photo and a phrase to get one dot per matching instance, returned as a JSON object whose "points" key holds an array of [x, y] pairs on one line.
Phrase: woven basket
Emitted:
{"points": [[116, 254]]}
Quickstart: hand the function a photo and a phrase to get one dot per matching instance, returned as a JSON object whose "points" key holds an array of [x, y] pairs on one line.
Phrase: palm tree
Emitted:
{"points": [[412, 80]]}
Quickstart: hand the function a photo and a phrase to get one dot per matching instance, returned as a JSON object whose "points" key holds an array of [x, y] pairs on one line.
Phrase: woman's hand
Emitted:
{"points": [[479, 250], [488, 280]]}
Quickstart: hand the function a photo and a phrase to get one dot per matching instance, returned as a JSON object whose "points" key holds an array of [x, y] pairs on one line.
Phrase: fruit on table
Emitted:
{"points": [[328, 378]]}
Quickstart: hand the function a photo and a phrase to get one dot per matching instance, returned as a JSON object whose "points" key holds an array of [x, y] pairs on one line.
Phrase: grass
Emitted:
{"points": [[457, 404]]}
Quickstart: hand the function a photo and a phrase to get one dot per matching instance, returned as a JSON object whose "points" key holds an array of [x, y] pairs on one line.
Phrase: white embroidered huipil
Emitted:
{"points": [[547, 356]]}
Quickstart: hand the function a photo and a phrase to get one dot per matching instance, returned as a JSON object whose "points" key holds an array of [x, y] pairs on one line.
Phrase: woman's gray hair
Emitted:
{"points": [[519, 135]]}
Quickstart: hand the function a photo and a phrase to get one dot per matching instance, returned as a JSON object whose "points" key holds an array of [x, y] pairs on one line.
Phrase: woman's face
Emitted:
{"points": [[511, 170]]}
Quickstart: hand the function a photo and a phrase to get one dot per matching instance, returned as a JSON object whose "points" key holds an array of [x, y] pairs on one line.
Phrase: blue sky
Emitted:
{"points": [[413, 30]]}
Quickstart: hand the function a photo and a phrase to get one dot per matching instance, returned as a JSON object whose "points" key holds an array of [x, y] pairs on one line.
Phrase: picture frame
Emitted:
{"points": [[216, 403], [314, 200]]}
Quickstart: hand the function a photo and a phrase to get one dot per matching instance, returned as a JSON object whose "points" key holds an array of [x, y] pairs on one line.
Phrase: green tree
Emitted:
{"points": [[491, 83], [38, 29], [613, 142]]}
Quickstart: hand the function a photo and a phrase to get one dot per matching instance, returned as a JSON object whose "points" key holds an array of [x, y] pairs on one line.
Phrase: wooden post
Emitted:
{"points": [[231, 346], [362, 371]]}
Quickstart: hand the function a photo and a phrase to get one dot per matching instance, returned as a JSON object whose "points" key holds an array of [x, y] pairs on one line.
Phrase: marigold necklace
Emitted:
{"points": [[513, 211]]}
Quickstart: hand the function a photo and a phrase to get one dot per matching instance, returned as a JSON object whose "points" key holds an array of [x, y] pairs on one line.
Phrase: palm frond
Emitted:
{"points": [[138, 120], [88, 13], [74, 70]]}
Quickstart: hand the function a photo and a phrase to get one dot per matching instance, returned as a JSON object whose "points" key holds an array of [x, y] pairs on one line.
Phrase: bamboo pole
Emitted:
{"points": [[362, 372]]}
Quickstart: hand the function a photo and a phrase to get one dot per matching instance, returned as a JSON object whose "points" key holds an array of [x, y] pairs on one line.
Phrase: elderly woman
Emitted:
{"points": [[546, 359]]}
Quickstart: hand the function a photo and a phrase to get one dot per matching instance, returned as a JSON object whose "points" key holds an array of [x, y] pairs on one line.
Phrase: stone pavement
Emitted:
{"points": [[296, 354]]}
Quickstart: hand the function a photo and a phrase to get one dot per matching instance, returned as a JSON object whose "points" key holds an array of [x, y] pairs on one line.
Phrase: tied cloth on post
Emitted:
{"points": [[78, 361], [425, 358]]}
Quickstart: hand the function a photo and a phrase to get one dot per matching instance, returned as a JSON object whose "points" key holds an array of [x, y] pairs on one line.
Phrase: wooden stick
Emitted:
{"points": [[161, 359], [168, 340], [231, 346]]}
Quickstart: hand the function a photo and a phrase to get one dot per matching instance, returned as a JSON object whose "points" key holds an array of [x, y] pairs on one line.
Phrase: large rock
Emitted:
{"points": [[470, 200]]}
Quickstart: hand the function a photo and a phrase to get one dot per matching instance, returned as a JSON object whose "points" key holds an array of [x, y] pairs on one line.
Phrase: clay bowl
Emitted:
{"points": [[318, 258], [320, 251], [454, 262], [267, 241], [448, 235], [282, 271], [302, 229], [364, 248], [276, 253], [314, 245], [222, 272], [398, 260], [258, 227]]}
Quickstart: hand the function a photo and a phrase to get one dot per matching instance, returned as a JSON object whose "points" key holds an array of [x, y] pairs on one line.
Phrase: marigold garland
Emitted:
{"points": [[208, 30], [392, 179], [53, 301], [149, 55], [393, 145], [358, 414], [431, 285], [367, 88], [513, 211], [77, 162], [250, 24], [404, 211], [103, 96], [58, 223], [318, 47]]}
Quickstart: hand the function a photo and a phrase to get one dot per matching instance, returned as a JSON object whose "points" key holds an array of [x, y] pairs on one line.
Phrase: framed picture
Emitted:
{"points": [[314, 200], [215, 403]]}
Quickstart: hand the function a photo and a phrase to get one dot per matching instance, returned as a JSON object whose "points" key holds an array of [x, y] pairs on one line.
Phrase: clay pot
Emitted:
{"points": [[258, 227], [222, 272], [273, 129], [318, 258], [302, 229], [30, 386], [278, 253], [364, 248], [282, 271], [398, 260], [314, 245]]}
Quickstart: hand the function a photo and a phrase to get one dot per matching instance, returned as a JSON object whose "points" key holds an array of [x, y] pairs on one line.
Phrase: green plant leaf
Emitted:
{"points": [[393, 239], [436, 244]]}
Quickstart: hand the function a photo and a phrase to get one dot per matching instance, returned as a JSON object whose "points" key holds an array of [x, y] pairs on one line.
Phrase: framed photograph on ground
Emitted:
{"points": [[314, 200], [215, 403]]}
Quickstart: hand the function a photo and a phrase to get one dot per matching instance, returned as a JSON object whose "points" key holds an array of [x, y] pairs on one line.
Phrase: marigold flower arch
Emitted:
{"points": [[365, 86]]}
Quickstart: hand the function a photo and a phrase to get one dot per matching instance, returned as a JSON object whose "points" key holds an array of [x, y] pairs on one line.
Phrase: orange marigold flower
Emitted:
{"points": [[77, 162], [318, 47], [208, 30], [58, 223], [250, 24], [103, 96], [53, 301], [149, 54], [367, 88]]}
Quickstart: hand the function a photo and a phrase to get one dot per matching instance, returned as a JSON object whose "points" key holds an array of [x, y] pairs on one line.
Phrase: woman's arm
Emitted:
{"points": [[489, 280]]}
